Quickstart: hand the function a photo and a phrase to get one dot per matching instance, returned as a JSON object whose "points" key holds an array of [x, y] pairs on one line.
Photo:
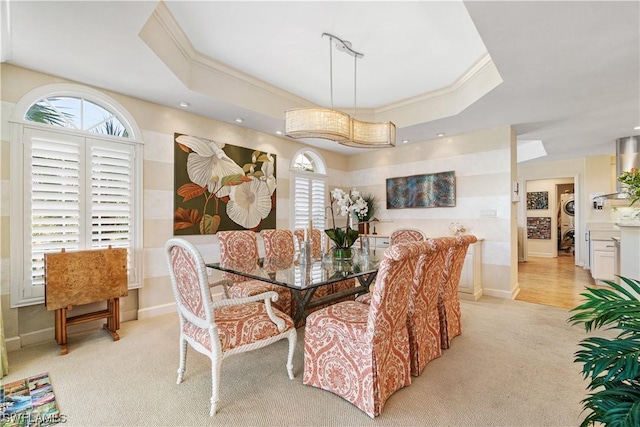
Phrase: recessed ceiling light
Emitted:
{"points": [[404, 141], [440, 135], [239, 120], [278, 132], [637, 128], [184, 104]]}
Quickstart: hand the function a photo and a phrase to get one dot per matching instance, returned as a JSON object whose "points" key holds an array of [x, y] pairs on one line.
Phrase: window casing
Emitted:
{"points": [[308, 190], [73, 187]]}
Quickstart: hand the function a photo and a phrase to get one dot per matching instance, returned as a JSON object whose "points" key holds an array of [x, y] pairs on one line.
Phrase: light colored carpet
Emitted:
{"points": [[512, 366]]}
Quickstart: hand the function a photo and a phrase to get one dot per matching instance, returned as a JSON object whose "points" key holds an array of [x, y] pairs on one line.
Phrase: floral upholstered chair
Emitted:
{"points": [[316, 241], [449, 304], [403, 235], [316, 252], [423, 320], [222, 328], [359, 351], [241, 247]]}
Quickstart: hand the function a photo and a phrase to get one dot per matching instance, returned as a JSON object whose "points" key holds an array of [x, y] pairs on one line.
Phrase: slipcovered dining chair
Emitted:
{"points": [[316, 241], [361, 352], [241, 246], [449, 304], [423, 319], [403, 235], [316, 252], [222, 328]]}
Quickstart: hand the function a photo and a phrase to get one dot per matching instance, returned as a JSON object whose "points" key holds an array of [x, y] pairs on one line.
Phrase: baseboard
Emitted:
{"points": [[540, 254], [12, 344], [158, 310], [37, 337], [500, 293]]}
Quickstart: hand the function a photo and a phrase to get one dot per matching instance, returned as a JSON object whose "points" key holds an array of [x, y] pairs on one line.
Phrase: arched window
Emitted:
{"points": [[76, 177], [77, 113], [308, 190]]}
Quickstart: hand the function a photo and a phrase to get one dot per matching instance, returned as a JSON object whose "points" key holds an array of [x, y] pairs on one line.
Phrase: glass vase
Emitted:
{"points": [[342, 254]]}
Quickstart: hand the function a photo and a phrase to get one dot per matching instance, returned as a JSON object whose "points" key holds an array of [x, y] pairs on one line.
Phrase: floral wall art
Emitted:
{"points": [[221, 187], [422, 191]]}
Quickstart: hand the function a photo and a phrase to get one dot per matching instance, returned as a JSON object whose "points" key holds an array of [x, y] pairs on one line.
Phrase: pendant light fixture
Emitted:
{"points": [[334, 125]]}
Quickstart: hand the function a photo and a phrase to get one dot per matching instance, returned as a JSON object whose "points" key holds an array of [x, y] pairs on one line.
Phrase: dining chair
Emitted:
{"points": [[316, 241], [361, 352], [241, 246], [222, 328], [316, 252], [403, 235], [449, 304], [423, 319]]}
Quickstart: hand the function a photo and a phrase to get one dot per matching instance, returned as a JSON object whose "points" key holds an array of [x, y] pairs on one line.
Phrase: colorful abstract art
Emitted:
{"points": [[537, 200], [29, 402], [221, 187], [422, 191], [539, 227]]}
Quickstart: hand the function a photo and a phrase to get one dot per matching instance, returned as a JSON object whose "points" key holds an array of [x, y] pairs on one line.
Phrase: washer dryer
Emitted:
{"points": [[567, 209], [567, 215]]}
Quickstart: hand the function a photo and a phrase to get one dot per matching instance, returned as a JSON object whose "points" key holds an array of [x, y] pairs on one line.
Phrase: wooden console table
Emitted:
{"points": [[84, 277]]}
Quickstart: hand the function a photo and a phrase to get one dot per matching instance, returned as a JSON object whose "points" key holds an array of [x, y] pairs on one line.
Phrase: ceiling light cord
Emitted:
{"points": [[330, 71], [355, 84]]}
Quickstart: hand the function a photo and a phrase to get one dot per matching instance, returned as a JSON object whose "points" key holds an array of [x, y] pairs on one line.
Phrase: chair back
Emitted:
{"points": [[237, 247], [390, 297], [423, 320], [278, 243], [316, 241], [189, 283], [279, 249], [404, 235], [455, 260]]}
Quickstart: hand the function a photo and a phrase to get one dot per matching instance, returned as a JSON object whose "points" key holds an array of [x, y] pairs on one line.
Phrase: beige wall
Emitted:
{"points": [[484, 169], [483, 162], [158, 124]]}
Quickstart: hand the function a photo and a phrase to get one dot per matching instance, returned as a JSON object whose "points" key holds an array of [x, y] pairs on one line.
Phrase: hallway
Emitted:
{"points": [[552, 281]]}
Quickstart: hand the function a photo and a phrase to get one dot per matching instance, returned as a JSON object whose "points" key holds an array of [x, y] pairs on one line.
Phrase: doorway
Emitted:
{"points": [[547, 273]]}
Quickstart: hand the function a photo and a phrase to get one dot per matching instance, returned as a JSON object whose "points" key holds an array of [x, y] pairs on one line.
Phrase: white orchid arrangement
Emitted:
{"points": [[351, 203], [247, 191]]}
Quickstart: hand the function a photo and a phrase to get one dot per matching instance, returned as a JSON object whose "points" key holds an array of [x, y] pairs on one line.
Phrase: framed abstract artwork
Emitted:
{"points": [[537, 200], [219, 186], [422, 191], [539, 227]]}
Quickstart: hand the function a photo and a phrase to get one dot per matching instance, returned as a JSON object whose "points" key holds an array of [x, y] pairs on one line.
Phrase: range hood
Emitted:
{"points": [[627, 157]]}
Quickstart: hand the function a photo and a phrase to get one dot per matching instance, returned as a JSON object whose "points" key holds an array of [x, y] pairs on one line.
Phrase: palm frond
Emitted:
{"points": [[612, 365]]}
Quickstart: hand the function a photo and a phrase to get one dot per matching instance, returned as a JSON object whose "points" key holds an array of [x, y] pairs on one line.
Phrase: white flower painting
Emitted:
{"points": [[208, 175]]}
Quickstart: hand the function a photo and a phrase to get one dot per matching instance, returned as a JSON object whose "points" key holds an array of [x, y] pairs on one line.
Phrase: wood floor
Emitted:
{"points": [[552, 281]]}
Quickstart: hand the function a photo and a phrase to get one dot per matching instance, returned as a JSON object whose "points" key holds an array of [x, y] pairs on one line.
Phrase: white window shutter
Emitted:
{"points": [[54, 205], [309, 201]]}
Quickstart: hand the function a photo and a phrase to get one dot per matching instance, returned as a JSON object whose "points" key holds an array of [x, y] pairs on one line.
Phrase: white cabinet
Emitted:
{"points": [[470, 287], [602, 260]]}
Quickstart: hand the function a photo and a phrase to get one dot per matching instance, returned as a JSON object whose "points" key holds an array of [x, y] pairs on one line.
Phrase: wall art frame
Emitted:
{"points": [[434, 190], [219, 186], [539, 227], [537, 200]]}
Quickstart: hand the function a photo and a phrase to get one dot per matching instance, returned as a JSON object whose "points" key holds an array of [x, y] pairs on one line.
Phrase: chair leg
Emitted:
{"points": [[293, 338], [215, 384], [183, 359]]}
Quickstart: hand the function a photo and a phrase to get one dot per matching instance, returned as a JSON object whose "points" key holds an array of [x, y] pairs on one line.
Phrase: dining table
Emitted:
{"points": [[305, 277]]}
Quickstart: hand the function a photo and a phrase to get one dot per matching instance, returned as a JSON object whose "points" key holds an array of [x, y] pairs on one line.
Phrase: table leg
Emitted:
{"points": [[301, 303]]}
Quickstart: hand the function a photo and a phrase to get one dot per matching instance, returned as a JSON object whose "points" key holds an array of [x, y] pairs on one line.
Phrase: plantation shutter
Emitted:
{"points": [[111, 196], [54, 205], [310, 196], [81, 198]]}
